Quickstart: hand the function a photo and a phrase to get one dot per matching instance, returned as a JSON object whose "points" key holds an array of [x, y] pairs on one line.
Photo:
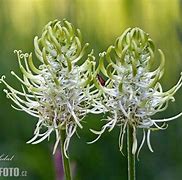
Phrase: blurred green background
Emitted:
{"points": [[100, 22]]}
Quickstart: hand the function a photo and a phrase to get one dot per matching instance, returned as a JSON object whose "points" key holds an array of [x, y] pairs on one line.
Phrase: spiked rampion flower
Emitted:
{"points": [[132, 93], [56, 91]]}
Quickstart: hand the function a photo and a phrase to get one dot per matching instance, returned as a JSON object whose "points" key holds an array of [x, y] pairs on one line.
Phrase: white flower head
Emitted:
{"points": [[132, 94], [56, 92]]}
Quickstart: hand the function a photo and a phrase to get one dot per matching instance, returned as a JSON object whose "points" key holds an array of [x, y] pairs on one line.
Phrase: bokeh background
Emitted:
{"points": [[101, 22]]}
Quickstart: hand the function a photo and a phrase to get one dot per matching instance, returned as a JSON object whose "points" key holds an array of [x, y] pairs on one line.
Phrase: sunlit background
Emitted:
{"points": [[101, 22]]}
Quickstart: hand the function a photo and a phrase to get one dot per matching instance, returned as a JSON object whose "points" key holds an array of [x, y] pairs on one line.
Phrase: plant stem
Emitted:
{"points": [[131, 157], [66, 164]]}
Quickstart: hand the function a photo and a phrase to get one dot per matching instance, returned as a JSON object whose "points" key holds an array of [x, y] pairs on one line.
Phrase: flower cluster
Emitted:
{"points": [[56, 92], [132, 94], [65, 86]]}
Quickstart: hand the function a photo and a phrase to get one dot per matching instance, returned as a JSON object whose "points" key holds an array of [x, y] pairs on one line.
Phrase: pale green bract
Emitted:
{"points": [[132, 93], [57, 91]]}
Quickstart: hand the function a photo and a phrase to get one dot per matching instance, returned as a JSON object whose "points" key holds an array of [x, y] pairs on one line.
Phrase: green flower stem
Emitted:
{"points": [[131, 157], [66, 164]]}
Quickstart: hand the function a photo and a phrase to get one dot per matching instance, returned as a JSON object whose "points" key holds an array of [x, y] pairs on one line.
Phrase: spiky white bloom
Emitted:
{"points": [[56, 92], [132, 93]]}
